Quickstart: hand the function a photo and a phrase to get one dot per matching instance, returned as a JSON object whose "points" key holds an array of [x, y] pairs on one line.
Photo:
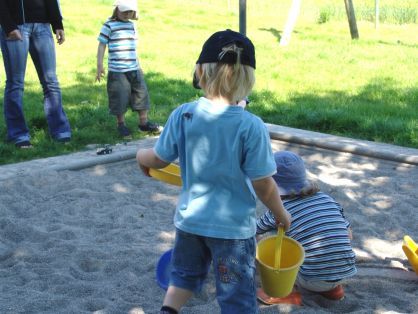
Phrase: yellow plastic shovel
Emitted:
{"points": [[278, 247]]}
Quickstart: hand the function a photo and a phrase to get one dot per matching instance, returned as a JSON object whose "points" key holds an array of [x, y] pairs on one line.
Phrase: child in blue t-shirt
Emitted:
{"points": [[318, 223], [226, 160], [126, 85]]}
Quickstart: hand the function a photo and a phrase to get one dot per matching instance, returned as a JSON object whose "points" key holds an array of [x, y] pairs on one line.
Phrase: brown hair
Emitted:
{"points": [[114, 16]]}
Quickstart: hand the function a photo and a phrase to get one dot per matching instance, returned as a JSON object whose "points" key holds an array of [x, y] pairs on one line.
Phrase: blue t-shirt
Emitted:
{"points": [[220, 148]]}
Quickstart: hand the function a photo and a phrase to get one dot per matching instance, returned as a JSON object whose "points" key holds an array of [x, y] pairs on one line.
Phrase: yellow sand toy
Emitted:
{"points": [[169, 174], [410, 249]]}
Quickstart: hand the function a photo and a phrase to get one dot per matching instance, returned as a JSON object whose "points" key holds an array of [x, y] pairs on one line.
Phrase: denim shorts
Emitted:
{"points": [[233, 264], [127, 89]]}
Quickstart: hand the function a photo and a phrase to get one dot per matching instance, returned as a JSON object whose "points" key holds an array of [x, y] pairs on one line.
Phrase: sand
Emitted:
{"points": [[88, 241]]}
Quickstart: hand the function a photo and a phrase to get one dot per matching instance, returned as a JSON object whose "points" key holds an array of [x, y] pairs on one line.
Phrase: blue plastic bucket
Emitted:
{"points": [[163, 269]]}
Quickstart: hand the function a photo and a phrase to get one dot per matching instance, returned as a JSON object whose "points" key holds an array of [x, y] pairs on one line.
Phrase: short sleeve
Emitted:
{"points": [[166, 147], [104, 34], [258, 160]]}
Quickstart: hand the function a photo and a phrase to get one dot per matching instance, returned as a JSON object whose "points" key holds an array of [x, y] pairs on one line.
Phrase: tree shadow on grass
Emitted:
{"points": [[376, 112], [275, 32], [375, 115], [86, 105]]}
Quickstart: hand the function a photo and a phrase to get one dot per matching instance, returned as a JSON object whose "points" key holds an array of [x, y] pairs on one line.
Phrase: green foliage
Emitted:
{"points": [[399, 12], [325, 14], [323, 81]]}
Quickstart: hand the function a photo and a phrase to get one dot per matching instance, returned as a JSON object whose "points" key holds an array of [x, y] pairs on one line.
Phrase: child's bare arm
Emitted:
{"points": [[146, 159], [100, 55], [267, 192]]}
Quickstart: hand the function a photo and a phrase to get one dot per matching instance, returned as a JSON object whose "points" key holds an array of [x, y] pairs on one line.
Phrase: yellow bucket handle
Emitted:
{"points": [[278, 247]]}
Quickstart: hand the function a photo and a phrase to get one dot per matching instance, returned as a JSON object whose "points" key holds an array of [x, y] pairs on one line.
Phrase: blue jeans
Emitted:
{"points": [[233, 264], [39, 43]]}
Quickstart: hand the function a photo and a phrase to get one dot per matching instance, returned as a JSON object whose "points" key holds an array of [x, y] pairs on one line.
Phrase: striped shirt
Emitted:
{"points": [[319, 225], [121, 38]]}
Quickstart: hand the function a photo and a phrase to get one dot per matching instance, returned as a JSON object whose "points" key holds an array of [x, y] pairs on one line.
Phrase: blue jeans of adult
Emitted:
{"points": [[233, 262], [38, 42]]}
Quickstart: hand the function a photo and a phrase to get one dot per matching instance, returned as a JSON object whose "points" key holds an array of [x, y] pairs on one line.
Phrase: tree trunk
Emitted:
{"points": [[349, 8]]}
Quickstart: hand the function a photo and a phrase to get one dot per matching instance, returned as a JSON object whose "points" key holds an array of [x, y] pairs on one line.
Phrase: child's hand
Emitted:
{"points": [[243, 103], [284, 220], [100, 73], [145, 170]]}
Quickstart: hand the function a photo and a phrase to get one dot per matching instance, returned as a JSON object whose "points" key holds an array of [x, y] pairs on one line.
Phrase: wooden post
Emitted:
{"points": [[290, 23], [349, 8], [376, 14], [243, 17]]}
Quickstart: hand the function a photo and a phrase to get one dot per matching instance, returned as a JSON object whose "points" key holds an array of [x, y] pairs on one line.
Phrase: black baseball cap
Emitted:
{"points": [[215, 49]]}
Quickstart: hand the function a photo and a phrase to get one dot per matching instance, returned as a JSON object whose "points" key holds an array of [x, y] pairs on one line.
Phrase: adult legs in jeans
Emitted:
{"points": [[15, 53], [38, 41], [42, 51]]}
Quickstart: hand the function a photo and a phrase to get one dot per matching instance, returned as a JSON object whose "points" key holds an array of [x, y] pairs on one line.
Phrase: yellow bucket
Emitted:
{"points": [[279, 282], [169, 174]]}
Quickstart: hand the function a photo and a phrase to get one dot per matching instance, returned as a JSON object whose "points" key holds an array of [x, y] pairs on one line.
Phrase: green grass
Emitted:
{"points": [[323, 81]]}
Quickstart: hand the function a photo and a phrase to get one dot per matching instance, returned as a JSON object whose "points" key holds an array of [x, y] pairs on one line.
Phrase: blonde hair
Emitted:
{"points": [[311, 189], [232, 81]]}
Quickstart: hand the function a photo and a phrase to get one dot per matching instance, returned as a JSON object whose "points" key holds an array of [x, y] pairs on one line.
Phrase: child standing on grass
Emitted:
{"points": [[318, 224], [225, 155], [125, 80]]}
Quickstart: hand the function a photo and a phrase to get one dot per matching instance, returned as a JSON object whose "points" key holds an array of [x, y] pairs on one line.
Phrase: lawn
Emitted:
{"points": [[322, 81]]}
